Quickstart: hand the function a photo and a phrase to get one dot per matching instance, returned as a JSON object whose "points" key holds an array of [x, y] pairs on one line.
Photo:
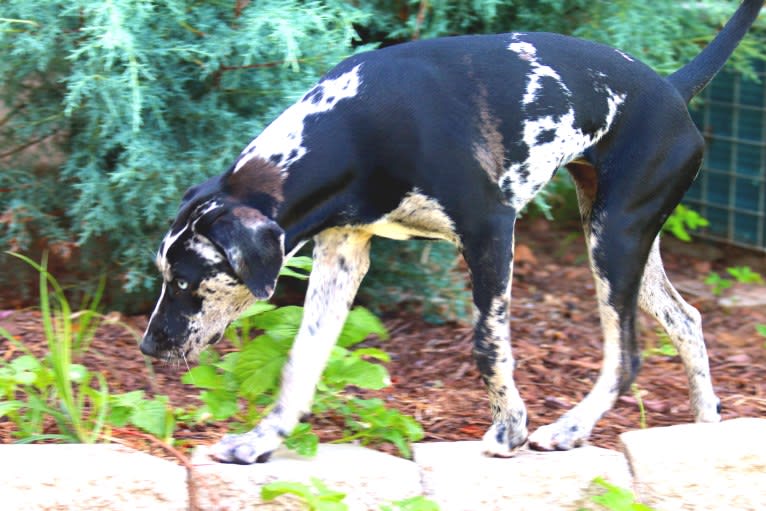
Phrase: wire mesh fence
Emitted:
{"points": [[731, 188]]}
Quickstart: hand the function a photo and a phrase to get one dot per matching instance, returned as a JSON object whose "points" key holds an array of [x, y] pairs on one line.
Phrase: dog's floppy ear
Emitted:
{"points": [[253, 244]]}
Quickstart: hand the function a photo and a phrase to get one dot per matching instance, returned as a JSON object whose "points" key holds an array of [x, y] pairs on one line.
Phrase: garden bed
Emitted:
{"points": [[556, 339]]}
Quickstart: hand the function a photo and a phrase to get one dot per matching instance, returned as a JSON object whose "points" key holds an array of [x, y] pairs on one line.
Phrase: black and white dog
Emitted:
{"points": [[449, 139]]}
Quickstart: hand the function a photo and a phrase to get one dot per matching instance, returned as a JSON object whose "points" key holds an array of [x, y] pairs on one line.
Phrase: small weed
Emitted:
{"points": [[683, 220], [418, 503], [317, 497], [717, 283], [638, 395], [744, 275], [664, 346], [761, 329], [616, 498], [741, 274]]}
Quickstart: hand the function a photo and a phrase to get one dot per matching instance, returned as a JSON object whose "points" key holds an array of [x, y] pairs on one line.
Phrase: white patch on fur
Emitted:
{"points": [[284, 136], [683, 324], [527, 51], [523, 180], [418, 215], [624, 55], [204, 248], [170, 238], [341, 259], [156, 307]]}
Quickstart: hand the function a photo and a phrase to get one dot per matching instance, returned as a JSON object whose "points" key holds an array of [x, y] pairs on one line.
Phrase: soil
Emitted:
{"points": [[556, 341]]}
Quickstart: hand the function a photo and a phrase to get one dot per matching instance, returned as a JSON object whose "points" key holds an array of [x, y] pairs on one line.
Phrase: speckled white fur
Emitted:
{"points": [[683, 324], [524, 179]]}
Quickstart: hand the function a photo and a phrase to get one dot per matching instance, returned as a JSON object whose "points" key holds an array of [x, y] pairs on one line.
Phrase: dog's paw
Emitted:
{"points": [[501, 442], [708, 410], [562, 435], [246, 449]]}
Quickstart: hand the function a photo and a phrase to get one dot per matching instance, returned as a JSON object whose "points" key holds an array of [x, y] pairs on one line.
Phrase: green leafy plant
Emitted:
{"points": [[761, 329], [35, 390], [663, 347], [745, 275], [683, 220], [154, 416], [316, 497], [717, 283], [75, 398], [741, 274], [616, 498], [252, 374], [418, 503]]}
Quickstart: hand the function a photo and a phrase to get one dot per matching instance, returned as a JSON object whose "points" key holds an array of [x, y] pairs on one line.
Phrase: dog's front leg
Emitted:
{"points": [[341, 259], [489, 254]]}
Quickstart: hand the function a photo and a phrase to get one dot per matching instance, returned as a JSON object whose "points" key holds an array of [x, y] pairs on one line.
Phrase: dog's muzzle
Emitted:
{"points": [[149, 346]]}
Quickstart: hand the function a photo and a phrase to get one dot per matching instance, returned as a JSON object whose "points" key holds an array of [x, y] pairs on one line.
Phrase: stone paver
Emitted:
{"points": [[700, 466], [88, 477], [369, 478], [460, 478]]}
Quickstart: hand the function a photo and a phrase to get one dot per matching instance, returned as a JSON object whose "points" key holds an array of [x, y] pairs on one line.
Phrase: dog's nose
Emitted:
{"points": [[148, 347]]}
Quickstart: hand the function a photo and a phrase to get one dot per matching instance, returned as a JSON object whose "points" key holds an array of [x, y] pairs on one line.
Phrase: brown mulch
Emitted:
{"points": [[556, 340]]}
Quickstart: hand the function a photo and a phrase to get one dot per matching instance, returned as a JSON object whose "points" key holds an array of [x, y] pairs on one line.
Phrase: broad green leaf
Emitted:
{"points": [[287, 272], [281, 323], [222, 404], [151, 416], [357, 372], [260, 365], [360, 324], [25, 363], [127, 399], [375, 353], [327, 494], [204, 377], [273, 490], [256, 308], [303, 441], [300, 262], [418, 503], [119, 416]]}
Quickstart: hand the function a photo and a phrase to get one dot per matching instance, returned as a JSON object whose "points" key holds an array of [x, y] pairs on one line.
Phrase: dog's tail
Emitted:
{"points": [[694, 76]]}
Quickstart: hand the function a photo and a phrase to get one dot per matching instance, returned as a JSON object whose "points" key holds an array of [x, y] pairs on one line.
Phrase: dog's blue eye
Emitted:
{"points": [[182, 284]]}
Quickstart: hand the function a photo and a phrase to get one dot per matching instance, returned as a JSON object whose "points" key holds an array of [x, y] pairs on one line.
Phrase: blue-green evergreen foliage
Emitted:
{"points": [[110, 109]]}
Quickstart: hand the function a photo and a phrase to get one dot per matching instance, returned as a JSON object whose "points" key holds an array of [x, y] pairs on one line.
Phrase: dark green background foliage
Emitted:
{"points": [[111, 109]]}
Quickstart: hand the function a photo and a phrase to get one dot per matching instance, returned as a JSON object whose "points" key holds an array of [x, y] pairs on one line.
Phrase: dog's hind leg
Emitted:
{"points": [[623, 220], [489, 254], [683, 324], [341, 259]]}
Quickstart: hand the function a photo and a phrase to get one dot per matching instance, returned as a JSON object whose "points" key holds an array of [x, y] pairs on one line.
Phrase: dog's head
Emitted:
{"points": [[219, 256]]}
